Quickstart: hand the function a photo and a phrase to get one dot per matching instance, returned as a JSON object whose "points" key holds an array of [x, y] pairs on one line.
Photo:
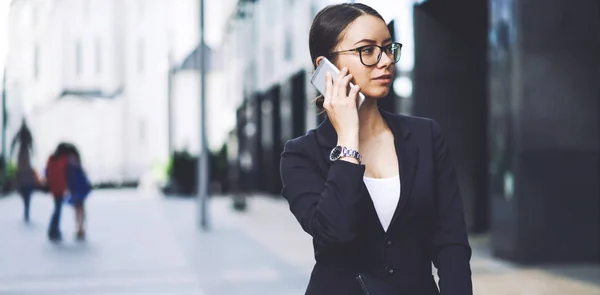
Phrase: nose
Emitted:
{"points": [[385, 61]]}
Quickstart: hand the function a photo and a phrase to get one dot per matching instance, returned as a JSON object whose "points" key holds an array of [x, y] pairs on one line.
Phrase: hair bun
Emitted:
{"points": [[319, 102]]}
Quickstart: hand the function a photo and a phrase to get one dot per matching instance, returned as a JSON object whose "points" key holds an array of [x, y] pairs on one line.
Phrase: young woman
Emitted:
{"points": [[56, 178], [377, 191]]}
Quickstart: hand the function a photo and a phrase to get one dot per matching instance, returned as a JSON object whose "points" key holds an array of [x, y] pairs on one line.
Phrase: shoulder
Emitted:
{"points": [[302, 144], [302, 151]]}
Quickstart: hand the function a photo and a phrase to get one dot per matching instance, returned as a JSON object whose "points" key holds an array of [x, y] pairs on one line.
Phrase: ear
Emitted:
{"points": [[318, 61]]}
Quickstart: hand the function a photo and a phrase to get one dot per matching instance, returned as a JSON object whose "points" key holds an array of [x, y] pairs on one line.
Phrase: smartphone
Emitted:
{"points": [[318, 78]]}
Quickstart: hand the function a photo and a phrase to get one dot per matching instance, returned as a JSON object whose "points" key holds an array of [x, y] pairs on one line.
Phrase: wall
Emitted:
{"points": [[146, 72], [92, 125]]}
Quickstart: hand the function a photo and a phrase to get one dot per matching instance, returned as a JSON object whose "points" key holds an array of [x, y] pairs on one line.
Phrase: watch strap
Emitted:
{"points": [[345, 152]]}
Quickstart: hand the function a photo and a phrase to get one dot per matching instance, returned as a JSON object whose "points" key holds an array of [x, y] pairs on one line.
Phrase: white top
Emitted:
{"points": [[385, 193]]}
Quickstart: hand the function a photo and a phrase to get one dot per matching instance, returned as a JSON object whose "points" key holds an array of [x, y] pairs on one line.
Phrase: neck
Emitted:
{"points": [[370, 120]]}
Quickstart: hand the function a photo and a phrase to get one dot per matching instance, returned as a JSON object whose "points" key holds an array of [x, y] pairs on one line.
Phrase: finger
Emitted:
{"points": [[342, 73], [354, 92], [339, 80], [334, 90], [344, 84], [340, 76], [328, 89]]}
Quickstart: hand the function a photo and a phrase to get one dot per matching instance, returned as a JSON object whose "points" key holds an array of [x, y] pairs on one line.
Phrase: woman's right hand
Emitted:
{"points": [[341, 108]]}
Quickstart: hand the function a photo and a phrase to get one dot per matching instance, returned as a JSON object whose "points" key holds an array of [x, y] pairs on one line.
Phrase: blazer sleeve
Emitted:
{"points": [[452, 252], [325, 207]]}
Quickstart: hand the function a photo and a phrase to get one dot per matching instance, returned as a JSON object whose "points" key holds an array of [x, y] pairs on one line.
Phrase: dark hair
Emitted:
{"points": [[67, 149], [327, 28]]}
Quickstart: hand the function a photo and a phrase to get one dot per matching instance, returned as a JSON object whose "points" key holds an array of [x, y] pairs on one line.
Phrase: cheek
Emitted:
{"points": [[360, 76], [363, 80]]}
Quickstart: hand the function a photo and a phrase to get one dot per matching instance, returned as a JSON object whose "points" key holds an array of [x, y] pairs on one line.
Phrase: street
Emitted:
{"points": [[143, 243]]}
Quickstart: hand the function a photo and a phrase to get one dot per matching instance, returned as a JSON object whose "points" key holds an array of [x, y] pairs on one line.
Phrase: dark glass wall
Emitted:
{"points": [[502, 41], [248, 124], [450, 86], [270, 142], [544, 129], [299, 104]]}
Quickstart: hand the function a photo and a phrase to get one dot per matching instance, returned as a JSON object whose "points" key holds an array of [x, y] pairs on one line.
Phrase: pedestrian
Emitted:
{"points": [[377, 191], [56, 178], [78, 189], [27, 181], [24, 139]]}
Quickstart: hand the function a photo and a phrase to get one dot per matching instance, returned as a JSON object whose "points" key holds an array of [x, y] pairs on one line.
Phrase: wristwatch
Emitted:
{"points": [[339, 152]]}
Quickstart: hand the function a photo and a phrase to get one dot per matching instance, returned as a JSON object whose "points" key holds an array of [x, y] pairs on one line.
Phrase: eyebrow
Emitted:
{"points": [[373, 41]]}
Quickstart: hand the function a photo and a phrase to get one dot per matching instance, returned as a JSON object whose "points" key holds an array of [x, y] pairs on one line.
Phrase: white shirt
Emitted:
{"points": [[385, 193]]}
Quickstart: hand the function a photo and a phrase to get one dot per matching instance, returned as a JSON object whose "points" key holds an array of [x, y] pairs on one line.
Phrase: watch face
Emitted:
{"points": [[336, 152]]}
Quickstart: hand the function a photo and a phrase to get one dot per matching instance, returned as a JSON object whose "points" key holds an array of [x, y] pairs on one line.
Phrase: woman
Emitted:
{"points": [[376, 191], [56, 178]]}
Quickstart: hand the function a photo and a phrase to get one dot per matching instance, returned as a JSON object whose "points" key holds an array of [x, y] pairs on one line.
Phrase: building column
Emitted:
{"points": [[450, 86]]}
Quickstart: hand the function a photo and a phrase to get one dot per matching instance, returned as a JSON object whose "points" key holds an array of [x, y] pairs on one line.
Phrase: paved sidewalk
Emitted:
{"points": [[142, 243], [131, 250]]}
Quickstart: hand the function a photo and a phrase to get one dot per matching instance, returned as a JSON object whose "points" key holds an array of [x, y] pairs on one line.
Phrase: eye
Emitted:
{"points": [[368, 50]]}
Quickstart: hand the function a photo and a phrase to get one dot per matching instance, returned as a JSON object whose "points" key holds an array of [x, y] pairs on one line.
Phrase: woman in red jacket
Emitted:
{"points": [[56, 178]]}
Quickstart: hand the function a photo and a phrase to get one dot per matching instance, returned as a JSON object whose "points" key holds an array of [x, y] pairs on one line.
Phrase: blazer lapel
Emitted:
{"points": [[407, 153]]}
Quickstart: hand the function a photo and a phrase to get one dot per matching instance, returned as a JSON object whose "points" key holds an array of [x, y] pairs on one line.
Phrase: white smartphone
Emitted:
{"points": [[318, 78]]}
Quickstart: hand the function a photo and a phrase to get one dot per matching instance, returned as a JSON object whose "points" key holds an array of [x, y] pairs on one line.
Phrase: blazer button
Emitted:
{"points": [[389, 270], [388, 242]]}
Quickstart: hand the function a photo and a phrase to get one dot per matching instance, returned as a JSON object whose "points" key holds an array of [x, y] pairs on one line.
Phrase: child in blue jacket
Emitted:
{"points": [[79, 188]]}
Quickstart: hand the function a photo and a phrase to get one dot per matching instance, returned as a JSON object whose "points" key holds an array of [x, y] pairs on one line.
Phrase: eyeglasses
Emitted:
{"points": [[370, 55]]}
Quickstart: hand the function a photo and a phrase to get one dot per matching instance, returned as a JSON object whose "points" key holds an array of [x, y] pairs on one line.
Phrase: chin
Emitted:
{"points": [[379, 92]]}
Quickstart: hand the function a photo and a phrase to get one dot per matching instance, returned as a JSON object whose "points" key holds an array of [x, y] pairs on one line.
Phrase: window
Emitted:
{"points": [[269, 66], [288, 53], [36, 61], [26, 16], [272, 12], [78, 58], [141, 7], [34, 15], [98, 58], [140, 56], [86, 7], [142, 130]]}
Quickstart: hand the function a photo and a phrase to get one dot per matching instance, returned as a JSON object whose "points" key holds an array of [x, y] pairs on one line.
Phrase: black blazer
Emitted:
{"points": [[332, 204]]}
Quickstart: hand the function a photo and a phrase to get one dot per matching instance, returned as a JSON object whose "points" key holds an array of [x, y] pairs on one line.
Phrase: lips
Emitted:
{"points": [[385, 79]]}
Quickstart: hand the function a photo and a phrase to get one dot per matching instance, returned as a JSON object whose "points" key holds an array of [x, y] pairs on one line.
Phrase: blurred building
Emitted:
{"points": [[114, 77], [65, 67]]}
